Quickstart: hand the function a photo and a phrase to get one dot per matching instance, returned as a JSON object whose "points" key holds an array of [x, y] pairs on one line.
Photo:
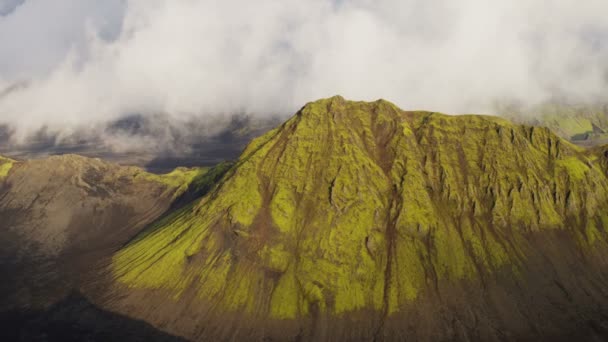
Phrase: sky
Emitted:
{"points": [[66, 64]]}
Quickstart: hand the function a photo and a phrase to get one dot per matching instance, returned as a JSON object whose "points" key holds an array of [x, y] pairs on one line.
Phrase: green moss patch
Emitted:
{"points": [[6, 165]]}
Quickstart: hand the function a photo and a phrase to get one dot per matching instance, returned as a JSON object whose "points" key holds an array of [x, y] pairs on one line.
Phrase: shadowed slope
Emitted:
{"points": [[60, 216], [76, 319], [358, 220]]}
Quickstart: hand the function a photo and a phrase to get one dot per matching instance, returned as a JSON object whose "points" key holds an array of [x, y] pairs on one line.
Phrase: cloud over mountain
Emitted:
{"points": [[70, 63]]}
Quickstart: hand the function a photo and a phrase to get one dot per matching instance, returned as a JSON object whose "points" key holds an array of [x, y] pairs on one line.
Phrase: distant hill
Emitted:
{"points": [[157, 143], [583, 124]]}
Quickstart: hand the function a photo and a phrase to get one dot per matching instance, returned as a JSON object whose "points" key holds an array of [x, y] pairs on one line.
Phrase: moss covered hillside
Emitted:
{"points": [[357, 220]]}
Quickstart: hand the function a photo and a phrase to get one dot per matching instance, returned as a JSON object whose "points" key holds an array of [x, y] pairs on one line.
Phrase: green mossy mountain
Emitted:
{"points": [[361, 221]]}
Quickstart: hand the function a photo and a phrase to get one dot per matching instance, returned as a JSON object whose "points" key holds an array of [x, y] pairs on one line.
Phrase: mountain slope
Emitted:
{"points": [[60, 215], [359, 221]]}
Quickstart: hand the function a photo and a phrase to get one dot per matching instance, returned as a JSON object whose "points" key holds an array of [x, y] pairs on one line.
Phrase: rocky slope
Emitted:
{"points": [[59, 216], [360, 221]]}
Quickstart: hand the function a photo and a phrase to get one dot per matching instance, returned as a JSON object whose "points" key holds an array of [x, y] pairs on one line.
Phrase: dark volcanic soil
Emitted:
{"points": [[76, 319]]}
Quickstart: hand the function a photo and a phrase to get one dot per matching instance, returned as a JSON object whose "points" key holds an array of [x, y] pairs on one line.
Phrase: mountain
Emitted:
{"points": [[361, 221], [583, 124], [62, 215]]}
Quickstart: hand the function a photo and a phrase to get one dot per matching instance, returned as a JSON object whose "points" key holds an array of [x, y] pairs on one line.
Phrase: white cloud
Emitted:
{"points": [[89, 61]]}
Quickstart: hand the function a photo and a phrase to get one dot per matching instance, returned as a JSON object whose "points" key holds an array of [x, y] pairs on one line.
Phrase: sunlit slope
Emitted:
{"points": [[362, 210], [6, 165]]}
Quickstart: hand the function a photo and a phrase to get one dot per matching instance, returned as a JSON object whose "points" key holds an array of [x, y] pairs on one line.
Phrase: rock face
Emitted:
{"points": [[60, 216], [360, 221]]}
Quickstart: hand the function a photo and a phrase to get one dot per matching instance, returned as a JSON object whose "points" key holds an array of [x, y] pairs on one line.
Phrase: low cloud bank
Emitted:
{"points": [[74, 65]]}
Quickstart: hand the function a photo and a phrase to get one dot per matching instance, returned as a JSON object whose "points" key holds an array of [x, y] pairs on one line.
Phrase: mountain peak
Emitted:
{"points": [[339, 103]]}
